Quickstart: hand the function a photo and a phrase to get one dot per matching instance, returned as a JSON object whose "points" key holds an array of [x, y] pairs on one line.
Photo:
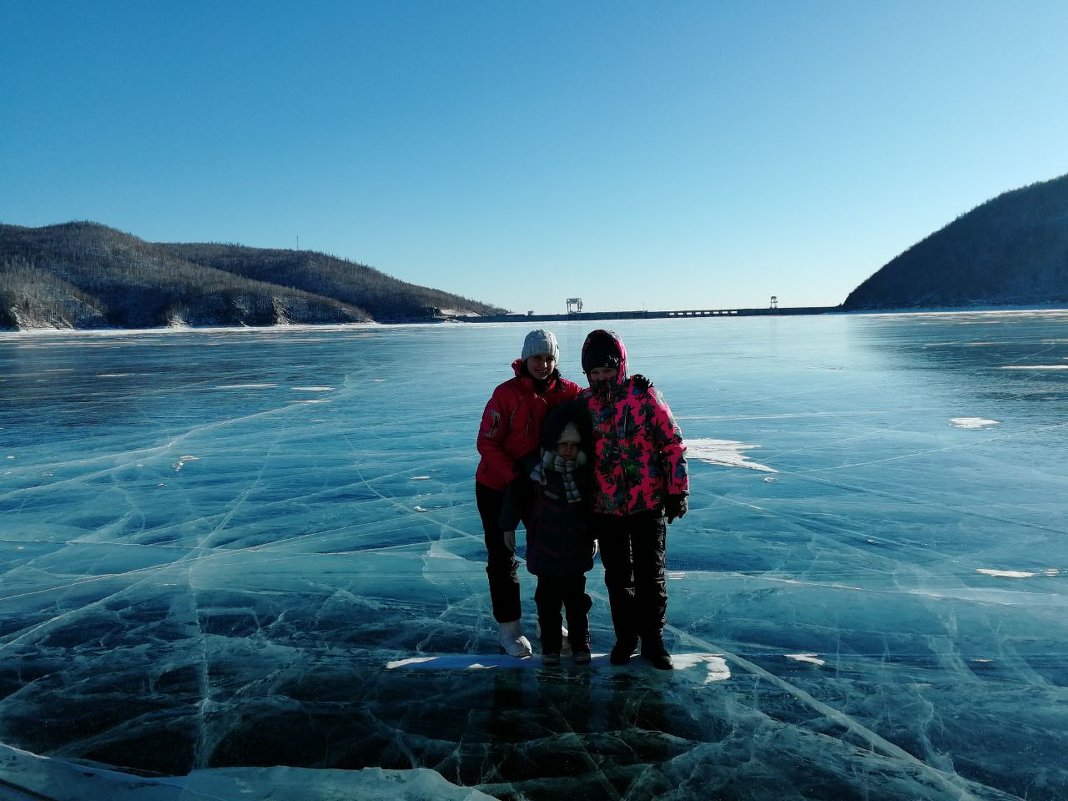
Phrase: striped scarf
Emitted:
{"points": [[565, 467]]}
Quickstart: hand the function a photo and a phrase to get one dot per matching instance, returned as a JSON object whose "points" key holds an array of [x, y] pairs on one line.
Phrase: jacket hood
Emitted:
{"points": [[600, 349]]}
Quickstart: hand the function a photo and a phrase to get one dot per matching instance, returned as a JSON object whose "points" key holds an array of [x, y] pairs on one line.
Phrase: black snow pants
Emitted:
{"points": [[502, 566], [633, 551]]}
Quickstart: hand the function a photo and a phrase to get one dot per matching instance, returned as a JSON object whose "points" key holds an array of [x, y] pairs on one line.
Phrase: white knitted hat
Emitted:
{"points": [[538, 342]]}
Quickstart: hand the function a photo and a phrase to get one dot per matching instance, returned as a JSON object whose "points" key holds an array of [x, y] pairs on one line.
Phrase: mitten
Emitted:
{"points": [[675, 506], [640, 381]]}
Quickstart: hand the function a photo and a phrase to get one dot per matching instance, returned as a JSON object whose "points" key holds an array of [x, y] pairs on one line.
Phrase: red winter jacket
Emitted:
{"points": [[512, 421]]}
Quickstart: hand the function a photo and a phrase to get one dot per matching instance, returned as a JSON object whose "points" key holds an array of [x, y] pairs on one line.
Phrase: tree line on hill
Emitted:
{"points": [[86, 275], [1010, 251]]}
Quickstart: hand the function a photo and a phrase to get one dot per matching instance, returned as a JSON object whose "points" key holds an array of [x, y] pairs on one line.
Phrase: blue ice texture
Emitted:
{"points": [[248, 564]]}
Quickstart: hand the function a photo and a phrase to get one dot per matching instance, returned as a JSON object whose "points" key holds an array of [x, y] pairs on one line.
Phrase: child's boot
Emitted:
{"points": [[622, 651], [565, 644]]}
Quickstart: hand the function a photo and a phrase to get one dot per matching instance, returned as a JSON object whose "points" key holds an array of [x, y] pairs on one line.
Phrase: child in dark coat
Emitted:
{"points": [[552, 501]]}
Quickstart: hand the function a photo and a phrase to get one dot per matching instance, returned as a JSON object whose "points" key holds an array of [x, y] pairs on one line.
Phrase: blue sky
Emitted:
{"points": [[661, 155]]}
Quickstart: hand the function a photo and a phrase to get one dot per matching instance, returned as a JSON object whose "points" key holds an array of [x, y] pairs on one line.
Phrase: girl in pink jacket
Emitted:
{"points": [[641, 484]]}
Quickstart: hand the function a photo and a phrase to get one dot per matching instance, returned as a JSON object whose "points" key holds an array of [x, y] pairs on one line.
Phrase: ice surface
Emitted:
{"points": [[248, 564]]}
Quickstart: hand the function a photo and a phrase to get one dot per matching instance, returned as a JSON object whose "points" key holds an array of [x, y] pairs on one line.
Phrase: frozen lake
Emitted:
{"points": [[249, 562]]}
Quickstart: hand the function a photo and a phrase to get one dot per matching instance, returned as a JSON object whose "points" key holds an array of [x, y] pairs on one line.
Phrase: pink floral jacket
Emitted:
{"points": [[639, 454]]}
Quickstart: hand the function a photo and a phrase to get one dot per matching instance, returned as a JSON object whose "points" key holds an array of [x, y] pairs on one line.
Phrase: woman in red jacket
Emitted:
{"points": [[511, 430]]}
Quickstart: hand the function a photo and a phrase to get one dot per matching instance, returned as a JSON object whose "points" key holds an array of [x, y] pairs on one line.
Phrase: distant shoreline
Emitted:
{"points": [[529, 318], [695, 314], [643, 314]]}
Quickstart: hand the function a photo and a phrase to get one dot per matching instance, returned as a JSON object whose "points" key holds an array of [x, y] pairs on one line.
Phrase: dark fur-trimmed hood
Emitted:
{"points": [[571, 412]]}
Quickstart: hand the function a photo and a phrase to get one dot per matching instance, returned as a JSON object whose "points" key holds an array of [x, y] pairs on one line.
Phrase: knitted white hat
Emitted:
{"points": [[538, 342]]}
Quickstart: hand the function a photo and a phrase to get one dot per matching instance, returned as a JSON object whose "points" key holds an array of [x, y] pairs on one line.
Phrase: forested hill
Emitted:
{"points": [[1010, 251], [86, 275]]}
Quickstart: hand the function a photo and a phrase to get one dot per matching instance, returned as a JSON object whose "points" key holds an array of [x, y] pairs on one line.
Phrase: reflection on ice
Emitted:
{"points": [[710, 667], [212, 588]]}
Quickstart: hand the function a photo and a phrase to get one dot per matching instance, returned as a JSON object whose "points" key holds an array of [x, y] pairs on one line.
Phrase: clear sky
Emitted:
{"points": [[660, 155]]}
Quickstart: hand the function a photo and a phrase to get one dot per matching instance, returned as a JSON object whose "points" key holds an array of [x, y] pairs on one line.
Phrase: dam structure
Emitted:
{"points": [[644, 314]]}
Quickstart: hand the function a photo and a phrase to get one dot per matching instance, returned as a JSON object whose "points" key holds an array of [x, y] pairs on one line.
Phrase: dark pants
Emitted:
{"points": [[502, 566], [633, 550], [570, 590]]}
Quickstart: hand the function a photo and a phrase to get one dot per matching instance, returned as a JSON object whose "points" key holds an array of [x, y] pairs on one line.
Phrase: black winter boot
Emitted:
{"points": [[622, 652], [657, 655]]}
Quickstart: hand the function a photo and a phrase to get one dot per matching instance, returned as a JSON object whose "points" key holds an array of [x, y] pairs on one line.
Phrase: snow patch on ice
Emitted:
{"points": [[724, 452], [716, 668], [972, 422], [1017, 574], [1035, 367], [811, 659], [28, 775], [183, 461]]}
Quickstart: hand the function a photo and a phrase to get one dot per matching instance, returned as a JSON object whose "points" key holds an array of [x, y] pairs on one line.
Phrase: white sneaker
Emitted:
{"points": [[513, 641]]}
